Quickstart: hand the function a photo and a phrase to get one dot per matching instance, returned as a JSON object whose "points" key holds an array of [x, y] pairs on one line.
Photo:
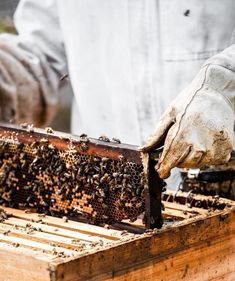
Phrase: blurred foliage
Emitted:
{"points": [[6, 26]]}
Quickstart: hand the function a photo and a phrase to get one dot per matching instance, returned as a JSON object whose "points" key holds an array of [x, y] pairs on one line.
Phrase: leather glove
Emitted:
{"points": [[19, 92], [197, 127], [28, 87]]}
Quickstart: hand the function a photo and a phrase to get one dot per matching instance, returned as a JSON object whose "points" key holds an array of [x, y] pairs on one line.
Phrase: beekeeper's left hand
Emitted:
{"points": [[197, 128]]}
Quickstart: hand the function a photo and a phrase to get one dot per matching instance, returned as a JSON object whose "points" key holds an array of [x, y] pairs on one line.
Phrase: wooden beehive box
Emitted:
{"points": [[195, 243]]}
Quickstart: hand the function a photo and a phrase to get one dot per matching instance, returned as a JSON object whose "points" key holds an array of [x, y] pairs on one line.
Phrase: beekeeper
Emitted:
{"points": [[127, 62]]}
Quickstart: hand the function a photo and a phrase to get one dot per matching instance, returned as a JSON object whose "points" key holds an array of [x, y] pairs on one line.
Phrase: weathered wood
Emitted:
{"points": [[171, 213], [184, 208], [69, 225], [38, 237], [21, 265], [28, 243], [53, 230], [212, 236], [202, 201], [195, 249], [61, 140], [213, 261]]}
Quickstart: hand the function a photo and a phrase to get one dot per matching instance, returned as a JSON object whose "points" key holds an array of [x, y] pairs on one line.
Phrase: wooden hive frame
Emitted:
{"points": [[152, 184], [195, 243]]}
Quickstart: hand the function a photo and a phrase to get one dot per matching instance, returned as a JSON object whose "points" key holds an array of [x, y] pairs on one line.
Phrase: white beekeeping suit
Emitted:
{"points": [[127, 60]]}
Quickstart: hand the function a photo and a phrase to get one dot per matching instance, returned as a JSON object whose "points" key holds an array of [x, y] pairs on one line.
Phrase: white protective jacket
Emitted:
{"points": [[126, 59]]}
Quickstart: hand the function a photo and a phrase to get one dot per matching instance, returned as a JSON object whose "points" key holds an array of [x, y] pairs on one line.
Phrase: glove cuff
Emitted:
{"points": [[221, 80], [224, 59]]}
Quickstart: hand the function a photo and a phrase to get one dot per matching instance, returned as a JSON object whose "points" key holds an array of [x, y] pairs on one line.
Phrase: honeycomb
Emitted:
{"points": [[36, 174]]}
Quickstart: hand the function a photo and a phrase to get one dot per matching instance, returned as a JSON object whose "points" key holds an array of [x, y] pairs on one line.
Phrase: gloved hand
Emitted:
{"points": [[28, 90], [19, 92], [197, 128]]}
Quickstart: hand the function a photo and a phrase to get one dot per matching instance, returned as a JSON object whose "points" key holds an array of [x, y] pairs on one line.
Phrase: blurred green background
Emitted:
{"points": [[7, 8], [62, 120]]}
